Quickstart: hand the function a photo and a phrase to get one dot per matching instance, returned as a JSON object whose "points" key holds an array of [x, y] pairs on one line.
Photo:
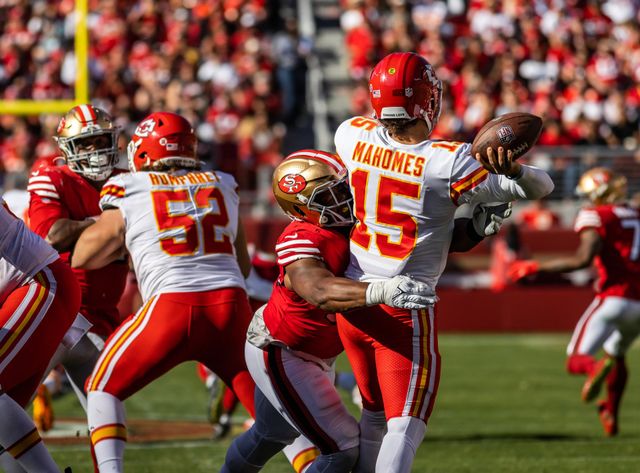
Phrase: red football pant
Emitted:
{"points": [[34, 318], [209, 327], [395, 358]]}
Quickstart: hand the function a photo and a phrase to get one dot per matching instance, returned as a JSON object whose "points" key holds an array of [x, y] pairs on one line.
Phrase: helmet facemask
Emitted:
{"points": [[92, 153], [333, 201]]}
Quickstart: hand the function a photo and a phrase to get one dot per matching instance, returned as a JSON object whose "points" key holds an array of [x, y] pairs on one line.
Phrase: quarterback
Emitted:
{"points": [[39, 299], [609, 235], [406, 189], [182, 230]]}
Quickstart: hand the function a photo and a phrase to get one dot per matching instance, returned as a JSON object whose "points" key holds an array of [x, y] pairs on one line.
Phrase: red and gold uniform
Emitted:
{"points": [[59, 192]]}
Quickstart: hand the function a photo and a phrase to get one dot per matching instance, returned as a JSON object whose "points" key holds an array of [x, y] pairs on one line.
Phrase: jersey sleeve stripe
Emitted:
{"points": [[302, 249], [289, 243], [473, 180], [35, 179], [292, 258], [41, 186], [113, 190], [42, 193]]}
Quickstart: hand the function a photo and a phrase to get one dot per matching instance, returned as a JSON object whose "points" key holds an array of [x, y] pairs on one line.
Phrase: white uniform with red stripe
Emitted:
{"points": [[405, 197], [612, 320], [23, 252], [174, 204]]}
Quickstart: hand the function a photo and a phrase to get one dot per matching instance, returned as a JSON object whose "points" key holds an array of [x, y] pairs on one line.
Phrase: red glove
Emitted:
{"points": [[522, 269]]}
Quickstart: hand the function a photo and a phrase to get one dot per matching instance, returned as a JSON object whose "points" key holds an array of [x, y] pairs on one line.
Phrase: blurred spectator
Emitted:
{"points": [[538, 216], [210, 60]]}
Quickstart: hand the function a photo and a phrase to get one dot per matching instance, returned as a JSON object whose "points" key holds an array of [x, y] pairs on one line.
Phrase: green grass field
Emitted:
{"points": [[505, 405]]}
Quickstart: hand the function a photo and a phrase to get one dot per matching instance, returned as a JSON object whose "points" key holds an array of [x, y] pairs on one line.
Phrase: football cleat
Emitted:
{"points": [[608, 419], [42, 409], [596, 378]]}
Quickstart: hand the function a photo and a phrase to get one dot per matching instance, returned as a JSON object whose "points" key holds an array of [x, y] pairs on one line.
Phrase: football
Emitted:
{"points": [[516, 131]]}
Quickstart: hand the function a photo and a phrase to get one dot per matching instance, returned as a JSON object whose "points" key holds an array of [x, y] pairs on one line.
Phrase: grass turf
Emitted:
{"points": [[505, 405]]}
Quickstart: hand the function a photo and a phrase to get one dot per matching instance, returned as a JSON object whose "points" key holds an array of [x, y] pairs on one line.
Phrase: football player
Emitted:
{"points": [[64, 202], [293, 340], [609, 235], [406, 189], [39, 299], [182, 230]]}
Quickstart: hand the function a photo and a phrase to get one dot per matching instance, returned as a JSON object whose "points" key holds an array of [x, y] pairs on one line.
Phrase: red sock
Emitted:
{"points": [[244, 388], [229, 401], [580, 364], [616, 382]]}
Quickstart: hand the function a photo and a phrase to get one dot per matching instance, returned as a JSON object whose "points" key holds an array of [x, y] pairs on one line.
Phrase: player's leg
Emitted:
{"points": [[142, 349], [301, 453], [409, 372], [217, 338], [269, 434], [33, 320], [359, 348]]}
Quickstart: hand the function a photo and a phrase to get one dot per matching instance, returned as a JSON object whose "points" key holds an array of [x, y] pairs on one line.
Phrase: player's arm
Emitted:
{"points": [[101, 243], [311, 280], [486, 221], [590, 245], [242, 254], [64, 232]]}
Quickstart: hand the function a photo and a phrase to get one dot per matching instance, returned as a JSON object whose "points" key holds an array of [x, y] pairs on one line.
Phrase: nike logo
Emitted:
{"points": [[293, 236]]}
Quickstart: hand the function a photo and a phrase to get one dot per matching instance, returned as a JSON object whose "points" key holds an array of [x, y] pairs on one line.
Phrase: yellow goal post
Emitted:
{"points": [[81, 48]]}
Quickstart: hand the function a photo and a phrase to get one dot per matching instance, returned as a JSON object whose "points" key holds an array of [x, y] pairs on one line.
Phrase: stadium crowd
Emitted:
{"points": [[221, 64]]}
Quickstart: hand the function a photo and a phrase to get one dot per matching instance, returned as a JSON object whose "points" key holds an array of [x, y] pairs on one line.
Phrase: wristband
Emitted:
{"points": [[517, 176]]}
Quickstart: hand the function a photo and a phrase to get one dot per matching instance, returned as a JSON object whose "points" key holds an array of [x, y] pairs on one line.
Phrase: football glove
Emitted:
{"points": [[522, 269], [401, 292], [487, 218]]}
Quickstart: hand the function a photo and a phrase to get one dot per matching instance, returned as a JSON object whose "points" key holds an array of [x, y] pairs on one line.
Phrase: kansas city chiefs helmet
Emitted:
{"points": [[163, 138], [602, 186], [88, 140], [312, 185], [405, 86]]}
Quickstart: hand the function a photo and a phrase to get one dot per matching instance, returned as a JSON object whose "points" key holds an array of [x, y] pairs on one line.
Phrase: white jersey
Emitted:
{"points": [[180, 229], [22, 252], [405, 197]]}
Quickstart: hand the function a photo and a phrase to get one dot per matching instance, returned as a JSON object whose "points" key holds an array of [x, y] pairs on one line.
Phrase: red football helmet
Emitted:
{"points": [[163, 137], [404, 85]]}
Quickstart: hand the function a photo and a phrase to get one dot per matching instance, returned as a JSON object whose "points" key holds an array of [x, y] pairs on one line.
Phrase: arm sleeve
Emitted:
{"points": [[296, 246], [112, 193], [589, 218], [45, 206], [471, 183]]}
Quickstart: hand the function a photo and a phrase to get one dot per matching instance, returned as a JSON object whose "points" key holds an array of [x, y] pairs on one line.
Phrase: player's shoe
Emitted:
{"points": [[596, 378], [608, 419], [42, 409], [222, 427]]}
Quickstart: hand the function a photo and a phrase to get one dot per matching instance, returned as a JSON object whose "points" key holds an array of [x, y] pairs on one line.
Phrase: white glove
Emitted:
{"points": [[487, 218], [401, 292]]}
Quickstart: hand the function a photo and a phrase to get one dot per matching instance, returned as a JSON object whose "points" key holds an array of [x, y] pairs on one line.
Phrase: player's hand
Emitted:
{"points": [[500, 163], [488, 218], [401, 292], [522, 269]]}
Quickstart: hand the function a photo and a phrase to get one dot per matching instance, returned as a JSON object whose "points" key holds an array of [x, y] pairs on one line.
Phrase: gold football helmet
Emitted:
{"points": [[88, 140], [602, 186], [312, 185]]}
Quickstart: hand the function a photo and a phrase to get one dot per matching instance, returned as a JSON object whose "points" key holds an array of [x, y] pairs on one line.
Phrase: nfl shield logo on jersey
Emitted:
{"points": [[506, 134]]}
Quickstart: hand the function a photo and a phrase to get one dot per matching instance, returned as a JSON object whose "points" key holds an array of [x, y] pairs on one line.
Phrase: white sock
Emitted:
{"points": [[373, 426], [398, 450], [20, 438], [301, 453], [106, 417]]}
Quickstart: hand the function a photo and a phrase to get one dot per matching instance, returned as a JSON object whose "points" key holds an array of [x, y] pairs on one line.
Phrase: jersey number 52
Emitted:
{"points": [[193, 229]]}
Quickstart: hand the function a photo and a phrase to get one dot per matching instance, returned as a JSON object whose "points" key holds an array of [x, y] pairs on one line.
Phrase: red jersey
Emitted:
{"points": [[58, 192], [289, 318], [618, 262]]}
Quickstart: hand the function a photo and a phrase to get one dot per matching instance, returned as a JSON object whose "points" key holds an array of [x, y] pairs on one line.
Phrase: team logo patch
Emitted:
{"points": [[505, 134], [292, 183], [145, 128], [61, 125], [408, 92]]}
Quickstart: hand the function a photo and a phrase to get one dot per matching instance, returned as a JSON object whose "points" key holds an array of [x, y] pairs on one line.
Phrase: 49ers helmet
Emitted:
{"points": [[88, 140], [404, 85], [163, 137], [602, 186], [312, 185]]}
